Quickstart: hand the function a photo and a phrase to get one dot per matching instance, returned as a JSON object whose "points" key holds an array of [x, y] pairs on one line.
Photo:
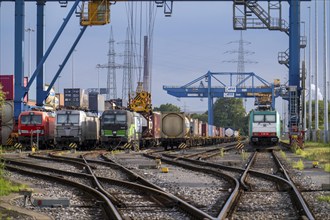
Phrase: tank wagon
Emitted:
{"points": [[119, 127], [178, 128], [76, 126], [36, 126], [264, 127]]}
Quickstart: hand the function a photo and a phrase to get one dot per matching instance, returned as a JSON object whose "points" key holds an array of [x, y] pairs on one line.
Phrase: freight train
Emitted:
{"points": [[117, 127], [264, 127]]}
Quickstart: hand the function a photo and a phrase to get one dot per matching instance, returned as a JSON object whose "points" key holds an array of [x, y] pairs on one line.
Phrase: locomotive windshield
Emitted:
{"points": [[114, 119], [31, 119], [67, 119], [264, 118], [270, 118], [258, 118]]}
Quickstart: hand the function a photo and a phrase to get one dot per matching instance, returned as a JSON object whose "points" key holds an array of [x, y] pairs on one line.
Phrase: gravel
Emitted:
{"points": [[81, 205]]}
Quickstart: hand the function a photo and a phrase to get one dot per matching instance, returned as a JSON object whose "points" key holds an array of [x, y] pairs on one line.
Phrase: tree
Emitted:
{"points": [[200, 117], [321, 113], [2, 96], [230, 112], [167, 108]]}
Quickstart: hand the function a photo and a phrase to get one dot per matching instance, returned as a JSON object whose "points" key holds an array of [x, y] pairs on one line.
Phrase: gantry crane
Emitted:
{"points": [[228, 90], [248, 14]]}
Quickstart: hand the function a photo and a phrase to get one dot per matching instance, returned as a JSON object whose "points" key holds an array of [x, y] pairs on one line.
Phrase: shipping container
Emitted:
{"points": [[194, 124], [156, 124], [8, 86], [95, 102], [75, 97], [60, 98], [205, 129], [7, 82]]}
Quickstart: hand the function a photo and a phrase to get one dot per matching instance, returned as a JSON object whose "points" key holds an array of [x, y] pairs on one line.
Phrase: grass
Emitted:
{"points": [[315, 151], [222, 152], [244, 155], [298, 165], [6, 186], [283, 155], [324, 198]]}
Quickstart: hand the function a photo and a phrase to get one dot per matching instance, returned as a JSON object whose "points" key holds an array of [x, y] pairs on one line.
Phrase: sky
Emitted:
{"points": [[186, 45]]}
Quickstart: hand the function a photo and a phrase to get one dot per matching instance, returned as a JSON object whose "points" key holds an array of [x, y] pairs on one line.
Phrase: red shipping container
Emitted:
{"points": [[156, 121], [205, 130], [7, 82]]}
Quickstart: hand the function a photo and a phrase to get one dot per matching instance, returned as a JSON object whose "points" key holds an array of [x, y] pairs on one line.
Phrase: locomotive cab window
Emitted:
{"points": [[258, 118], [67, 119], [114, 119], [31, 119], [270, 118]]}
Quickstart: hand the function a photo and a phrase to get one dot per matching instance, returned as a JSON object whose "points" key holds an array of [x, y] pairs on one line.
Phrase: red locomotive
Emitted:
{"points": [[36, 126]]}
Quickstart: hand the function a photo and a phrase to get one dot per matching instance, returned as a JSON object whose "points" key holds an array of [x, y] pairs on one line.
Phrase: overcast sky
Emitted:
{"points": [[186, 45]]}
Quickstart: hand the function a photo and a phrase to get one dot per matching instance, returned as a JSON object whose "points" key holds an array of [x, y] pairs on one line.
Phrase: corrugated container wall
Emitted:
{"points": [[75, 98], [156, 124], [60, 98], [205, 130], [195, 127], [7, 82], [95, 102]]}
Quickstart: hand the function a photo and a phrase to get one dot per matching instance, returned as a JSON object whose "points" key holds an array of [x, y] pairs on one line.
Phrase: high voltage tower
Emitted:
{"points": [[111, 66], [241, 61]]}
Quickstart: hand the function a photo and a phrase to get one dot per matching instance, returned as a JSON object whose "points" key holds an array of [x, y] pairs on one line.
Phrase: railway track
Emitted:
{"points": [[262, 184], [154, 201], [279, 190]]}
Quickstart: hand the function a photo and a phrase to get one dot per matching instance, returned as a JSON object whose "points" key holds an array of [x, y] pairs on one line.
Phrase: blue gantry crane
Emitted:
{"points": [[248, 14], [220, 88]]}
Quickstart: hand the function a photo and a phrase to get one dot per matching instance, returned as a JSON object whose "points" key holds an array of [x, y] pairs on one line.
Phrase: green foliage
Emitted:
{"points": [[167, 108], [300, 152], [298, 165], [230, 112], [2, 96], [321, 113], [327, 167], [324, 198], [222, 152], [283, 154], [244, 155], [200, 117], [6, 187]]}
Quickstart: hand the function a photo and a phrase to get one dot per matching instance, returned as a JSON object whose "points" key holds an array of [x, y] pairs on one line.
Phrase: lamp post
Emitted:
{"points": [[58, 84], [98, 66], [72, 70], [29, 30]]}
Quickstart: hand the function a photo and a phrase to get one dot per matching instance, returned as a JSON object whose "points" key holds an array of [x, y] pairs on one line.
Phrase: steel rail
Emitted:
{"points": [[108, 207], [229, 201], [300, 202], [289, 185], [186, 207]]}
